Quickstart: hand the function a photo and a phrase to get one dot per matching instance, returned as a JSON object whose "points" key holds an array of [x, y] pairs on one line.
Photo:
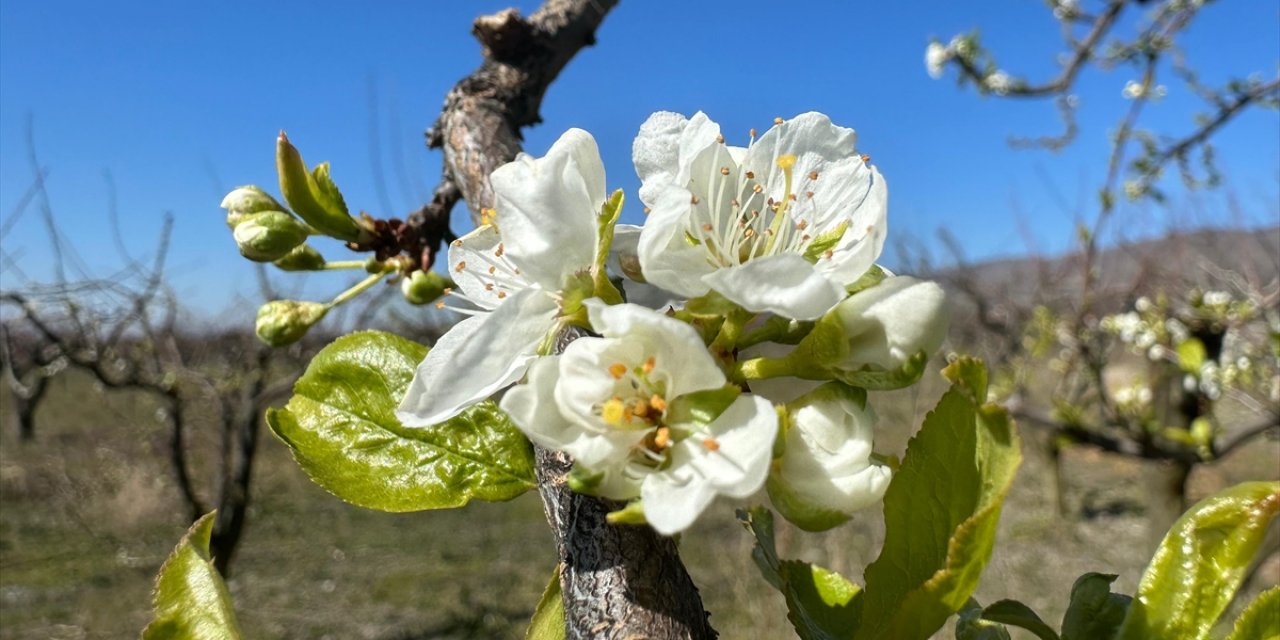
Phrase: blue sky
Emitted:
{"points": [[180, 102]]}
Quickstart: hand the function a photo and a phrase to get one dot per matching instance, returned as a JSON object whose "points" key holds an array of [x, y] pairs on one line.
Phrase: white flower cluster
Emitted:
{"points": [[754, 318]]}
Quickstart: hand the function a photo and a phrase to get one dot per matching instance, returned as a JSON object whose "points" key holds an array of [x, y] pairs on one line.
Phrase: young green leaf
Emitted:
{"points": [[1199, 565], [941, 511], [343, 431], [190, 600], [1016, 614], [820, 603], [1094, 612], [548, 618], [1261, 619]]}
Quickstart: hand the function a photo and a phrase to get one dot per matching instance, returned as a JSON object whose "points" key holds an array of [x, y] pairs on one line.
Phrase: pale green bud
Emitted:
{"points": [[303, 257], [247, 200], [825, 471], [886, 325], [313, 194], [284, 322], [423, 286], [269, 235]]}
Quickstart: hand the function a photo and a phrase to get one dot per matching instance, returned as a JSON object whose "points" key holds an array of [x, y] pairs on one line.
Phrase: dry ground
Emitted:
{"points": [[88, 513]]}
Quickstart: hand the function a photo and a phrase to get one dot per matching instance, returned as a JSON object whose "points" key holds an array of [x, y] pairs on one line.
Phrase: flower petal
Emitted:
{"points": [[743, 435], [783, 284], [471, 257], [477, 357], [665, 145], [674, 499], [547, 208], [676, 347], [893, 321], [666, 257]]}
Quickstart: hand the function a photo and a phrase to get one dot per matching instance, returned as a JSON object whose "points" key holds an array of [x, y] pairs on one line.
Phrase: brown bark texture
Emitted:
{"points": [[617, 581]]}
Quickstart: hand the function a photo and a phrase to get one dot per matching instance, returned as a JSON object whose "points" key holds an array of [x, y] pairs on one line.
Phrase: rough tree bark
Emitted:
{"points": [[617, 581]]}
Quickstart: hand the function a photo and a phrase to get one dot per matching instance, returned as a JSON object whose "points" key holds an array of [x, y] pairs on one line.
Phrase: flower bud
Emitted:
{"points": [[825, 472], [269, 235], [422, 287], [886, 325], [284, 322], [313, 194], [245, 201], [303, 257]]}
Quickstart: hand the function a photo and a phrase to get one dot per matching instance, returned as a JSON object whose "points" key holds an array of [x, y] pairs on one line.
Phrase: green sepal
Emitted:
{"points": [[605, 225], [548, 616], [799, 511], [190, 600], [633, 513], [313, 195], [1094, 611], [582, 481], [710, 305], [874, 276], [342, 429], [1198, 567], [884, 380], [964, 457], [820, 244], [702, 407], [1259, 620], [821, 604]]}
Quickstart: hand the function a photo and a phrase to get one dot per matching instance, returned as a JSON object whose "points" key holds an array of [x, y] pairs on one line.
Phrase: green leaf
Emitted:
{"points": [[190, 600], [548, 618], [313, 195], [971, 626], [941, 511], [1191, 355], [1199, 565], [327, 190], [1094, 612], [1261, 619], [1014, 613], [342, 428], [820, 603]]}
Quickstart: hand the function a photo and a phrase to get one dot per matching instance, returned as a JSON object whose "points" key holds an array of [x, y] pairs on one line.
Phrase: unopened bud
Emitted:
{"points": [[269, 235], [826, 471], [889, 323], [423, 287], [245, 201], [284, 322], [303, 257], [313, 194]]}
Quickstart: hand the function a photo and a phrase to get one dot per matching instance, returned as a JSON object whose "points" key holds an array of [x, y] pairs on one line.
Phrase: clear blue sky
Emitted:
{"points": [[182, 101]]}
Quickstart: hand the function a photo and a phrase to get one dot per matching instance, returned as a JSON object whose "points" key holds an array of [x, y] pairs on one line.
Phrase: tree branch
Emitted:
{"points": [[617, 581]]}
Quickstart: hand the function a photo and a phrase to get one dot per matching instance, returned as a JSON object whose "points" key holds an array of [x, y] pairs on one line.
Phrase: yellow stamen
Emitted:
{"points": [[662, 438], [500, 250], [461, 265], [710, 444], [777, 120], [649, 363], [502, 294], [724, 171], [612, 412], [617, 370], [813, 175], [658, 403]]}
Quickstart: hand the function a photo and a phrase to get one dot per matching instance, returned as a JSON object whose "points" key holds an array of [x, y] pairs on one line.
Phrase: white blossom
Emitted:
{"points": [[514, 272], [781, 226], [999, 82], [936, 56], [619, 404]]}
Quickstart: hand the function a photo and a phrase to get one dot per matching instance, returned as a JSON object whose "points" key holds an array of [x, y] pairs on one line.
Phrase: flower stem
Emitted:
{"points": [[344, 264], [727, 340], [761, 368], [359, 288]]}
